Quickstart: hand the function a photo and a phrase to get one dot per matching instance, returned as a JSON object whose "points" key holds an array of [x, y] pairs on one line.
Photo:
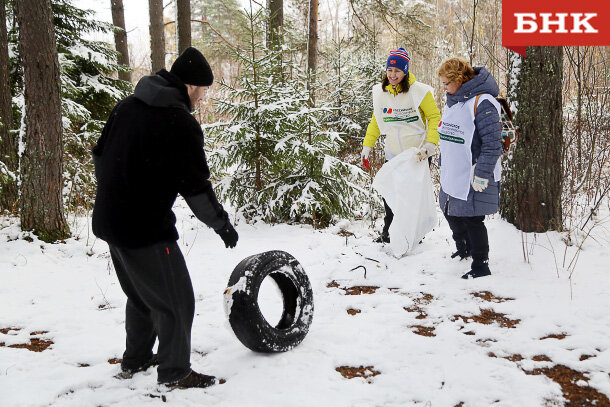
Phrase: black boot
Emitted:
{"points": [[463, 249], [193, 380], [127, 373], [480, 268], [383, 238]]}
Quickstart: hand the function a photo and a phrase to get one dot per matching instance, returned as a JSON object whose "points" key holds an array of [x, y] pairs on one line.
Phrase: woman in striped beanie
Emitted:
{"points": [[405, 112]]}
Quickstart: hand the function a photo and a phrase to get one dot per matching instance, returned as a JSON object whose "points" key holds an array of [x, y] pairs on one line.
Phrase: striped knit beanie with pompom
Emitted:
{"points": [[399, 59]]}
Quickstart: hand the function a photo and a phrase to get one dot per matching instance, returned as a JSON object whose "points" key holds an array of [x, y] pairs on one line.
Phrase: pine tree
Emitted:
{"points": [[88, 93], [354, 71], [531, 191], [277, 156], [41, 204]]}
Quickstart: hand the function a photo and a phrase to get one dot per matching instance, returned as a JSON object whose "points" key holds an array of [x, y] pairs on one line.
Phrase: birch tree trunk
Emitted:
{"points": [[41, 186], [120, 37], [157, 34], [8, 143], [531, 191]]}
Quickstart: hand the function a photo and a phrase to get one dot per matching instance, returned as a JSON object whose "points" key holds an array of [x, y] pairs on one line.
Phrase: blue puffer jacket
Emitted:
{"points": [[486, 148]]}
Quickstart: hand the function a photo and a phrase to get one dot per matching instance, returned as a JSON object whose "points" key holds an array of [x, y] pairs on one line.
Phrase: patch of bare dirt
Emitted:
{"points": [[541, 358], [485, 342], [490, 297], [366, 372], [332, 284], [353, 311], [425, 299], [414, 308], [418, 303], [513, 358], [554, 336], [361, 289], [115, 361], [489, 316], [356, 290], [575, 394], [5, 331], [423, 330], [35, 344], [585, 357]]}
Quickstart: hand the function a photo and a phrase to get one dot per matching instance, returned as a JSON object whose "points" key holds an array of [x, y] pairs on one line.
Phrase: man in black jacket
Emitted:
{"points": [[151, 150]]}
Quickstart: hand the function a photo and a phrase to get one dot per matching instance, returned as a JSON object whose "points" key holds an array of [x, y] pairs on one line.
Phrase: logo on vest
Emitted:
{"points": [[451, 139], [400, 119], [387, 110]]}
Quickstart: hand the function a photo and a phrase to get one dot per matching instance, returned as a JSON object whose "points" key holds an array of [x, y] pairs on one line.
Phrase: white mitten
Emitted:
{"points": [[427, 150]]}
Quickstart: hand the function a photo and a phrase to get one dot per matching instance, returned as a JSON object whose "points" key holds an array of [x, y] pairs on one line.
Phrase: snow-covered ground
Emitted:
{"points": [[70, 292]]}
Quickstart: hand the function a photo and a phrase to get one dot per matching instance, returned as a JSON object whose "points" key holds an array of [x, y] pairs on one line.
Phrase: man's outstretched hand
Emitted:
{"points": [[229, 235]]}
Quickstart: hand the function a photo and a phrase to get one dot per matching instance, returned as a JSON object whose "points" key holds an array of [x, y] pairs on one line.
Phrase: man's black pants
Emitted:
{"points": [[160, 303], [473, 230]]}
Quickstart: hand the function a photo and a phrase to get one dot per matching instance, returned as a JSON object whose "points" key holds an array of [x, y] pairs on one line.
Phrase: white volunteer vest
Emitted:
{"points": [[456, 131], [399, 119]]}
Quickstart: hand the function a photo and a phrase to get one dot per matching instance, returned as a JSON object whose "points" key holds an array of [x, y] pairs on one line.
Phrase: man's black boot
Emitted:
{"points": [[480, 268], [127, 373], [193, 380]]}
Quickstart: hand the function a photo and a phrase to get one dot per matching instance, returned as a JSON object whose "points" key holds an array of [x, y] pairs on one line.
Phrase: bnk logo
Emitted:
{"points": [[528, 23], [554, 23]]}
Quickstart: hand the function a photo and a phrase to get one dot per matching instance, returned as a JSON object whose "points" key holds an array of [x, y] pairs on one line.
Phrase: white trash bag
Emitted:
{"points": [[405, 184]]}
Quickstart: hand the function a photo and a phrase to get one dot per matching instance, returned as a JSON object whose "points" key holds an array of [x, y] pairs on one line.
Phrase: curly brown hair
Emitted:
{"points": [[456, 70]]}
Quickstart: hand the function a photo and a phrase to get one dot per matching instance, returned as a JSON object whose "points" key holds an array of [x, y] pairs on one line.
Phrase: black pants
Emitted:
{"points": [[472, 230], [389, 215], [160, 303]]}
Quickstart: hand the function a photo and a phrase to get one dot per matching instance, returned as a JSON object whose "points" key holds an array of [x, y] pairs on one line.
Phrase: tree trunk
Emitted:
{"points": [[157, 34], [120, 36], [312, 49], [8, 142], [184, 25], [531, 191], [41, 164], [276, 21]]}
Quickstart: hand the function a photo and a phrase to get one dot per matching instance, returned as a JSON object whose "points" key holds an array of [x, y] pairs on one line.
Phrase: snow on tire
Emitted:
{"points": [[243, 311]]}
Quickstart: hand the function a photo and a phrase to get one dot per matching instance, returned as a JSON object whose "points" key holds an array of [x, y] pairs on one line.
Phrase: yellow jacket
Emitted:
{"points": [[427, 109]]}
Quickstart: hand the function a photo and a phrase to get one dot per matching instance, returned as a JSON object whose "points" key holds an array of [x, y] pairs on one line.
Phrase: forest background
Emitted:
{"points": [[285, 119]]}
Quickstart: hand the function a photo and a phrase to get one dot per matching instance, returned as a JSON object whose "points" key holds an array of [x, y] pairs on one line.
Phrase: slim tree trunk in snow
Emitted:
{"points": [[157, 34], [531, 191], [184, 24], [120, 36], [8, 142], [41, 187], [276, 20], [312, 48]]}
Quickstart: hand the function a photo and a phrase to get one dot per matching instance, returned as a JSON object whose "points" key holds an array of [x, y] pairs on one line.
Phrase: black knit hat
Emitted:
{"points": [[192, 68]]}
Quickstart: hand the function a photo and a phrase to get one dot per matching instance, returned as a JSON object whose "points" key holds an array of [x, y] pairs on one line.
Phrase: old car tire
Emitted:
{"points": [[242, 309]]}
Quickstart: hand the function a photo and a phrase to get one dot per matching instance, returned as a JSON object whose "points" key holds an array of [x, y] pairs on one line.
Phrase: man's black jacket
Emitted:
{"points": [[151, 150]]}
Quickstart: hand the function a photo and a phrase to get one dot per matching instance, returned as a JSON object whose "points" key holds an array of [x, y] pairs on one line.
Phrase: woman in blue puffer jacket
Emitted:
{"points": [[471, 146]]}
